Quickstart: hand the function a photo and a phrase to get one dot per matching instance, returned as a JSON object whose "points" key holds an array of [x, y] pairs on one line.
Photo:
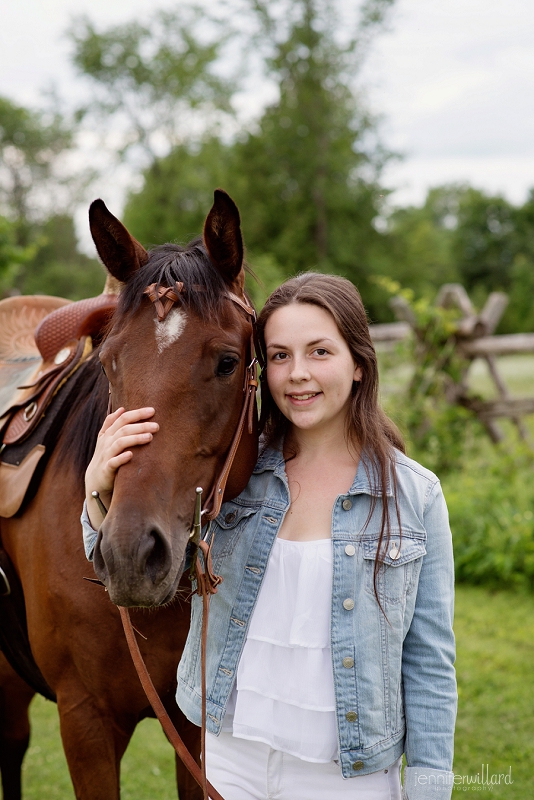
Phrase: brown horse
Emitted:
{"points": [[190, 367]]}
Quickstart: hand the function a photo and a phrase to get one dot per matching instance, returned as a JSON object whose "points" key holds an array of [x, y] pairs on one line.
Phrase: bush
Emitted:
{"points": [[491, 507]]}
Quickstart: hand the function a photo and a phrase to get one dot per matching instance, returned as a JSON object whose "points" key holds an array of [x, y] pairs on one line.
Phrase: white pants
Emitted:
{"points": [[241, 769]]}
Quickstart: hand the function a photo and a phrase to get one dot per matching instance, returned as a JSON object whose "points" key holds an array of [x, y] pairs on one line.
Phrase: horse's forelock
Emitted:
{"points": [[204, 287]]}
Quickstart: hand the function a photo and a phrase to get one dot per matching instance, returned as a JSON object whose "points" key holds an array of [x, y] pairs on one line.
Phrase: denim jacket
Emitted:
{"points": [[393, 669], [394, 677]]}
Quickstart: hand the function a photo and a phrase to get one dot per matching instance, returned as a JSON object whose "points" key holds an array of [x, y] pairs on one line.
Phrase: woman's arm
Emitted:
{"points": [[429, 681]]}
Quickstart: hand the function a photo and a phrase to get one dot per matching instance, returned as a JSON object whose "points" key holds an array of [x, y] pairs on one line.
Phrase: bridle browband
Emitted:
{"points": [[164, 299]]}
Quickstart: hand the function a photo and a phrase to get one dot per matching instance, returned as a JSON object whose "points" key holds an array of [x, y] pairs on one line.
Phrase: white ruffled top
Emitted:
{"points": [[284, 691]]}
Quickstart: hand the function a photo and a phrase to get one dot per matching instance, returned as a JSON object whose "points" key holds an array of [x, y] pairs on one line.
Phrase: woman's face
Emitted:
{"points": [[310, 368]]}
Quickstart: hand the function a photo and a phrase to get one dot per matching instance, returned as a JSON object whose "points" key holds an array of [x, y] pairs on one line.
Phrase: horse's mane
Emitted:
{"points": [[204, 289], [86, 415]]}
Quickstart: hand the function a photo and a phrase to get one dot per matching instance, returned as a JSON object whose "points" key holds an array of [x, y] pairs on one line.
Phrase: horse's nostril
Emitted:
{"points": [[102, 562], [158, 559]]}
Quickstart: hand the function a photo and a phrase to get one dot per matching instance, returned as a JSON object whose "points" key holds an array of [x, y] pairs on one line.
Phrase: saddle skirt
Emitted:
{"points": [[20, 359], [43, 341]]}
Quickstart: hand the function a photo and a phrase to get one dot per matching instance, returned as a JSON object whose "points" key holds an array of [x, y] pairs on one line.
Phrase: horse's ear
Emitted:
{"points": [[223, 240], [121, 254]]}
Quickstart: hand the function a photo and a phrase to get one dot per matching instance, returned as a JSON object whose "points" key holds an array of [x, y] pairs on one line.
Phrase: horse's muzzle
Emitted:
{"points": [[138, 569]]}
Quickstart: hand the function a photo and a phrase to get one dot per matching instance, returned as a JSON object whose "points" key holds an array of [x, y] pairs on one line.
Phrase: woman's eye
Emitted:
{"points": [[279, 356], [320, 351], [227, 365]]}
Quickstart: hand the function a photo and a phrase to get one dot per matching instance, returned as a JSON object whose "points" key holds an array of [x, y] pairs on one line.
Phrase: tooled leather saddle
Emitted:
{"points": [[43, 342]]}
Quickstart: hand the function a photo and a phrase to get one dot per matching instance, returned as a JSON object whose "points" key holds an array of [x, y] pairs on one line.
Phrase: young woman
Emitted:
{"points": [[330, 645]]}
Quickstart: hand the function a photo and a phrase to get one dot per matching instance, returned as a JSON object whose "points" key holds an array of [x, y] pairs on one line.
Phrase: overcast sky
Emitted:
{"points": [[452, 79]]}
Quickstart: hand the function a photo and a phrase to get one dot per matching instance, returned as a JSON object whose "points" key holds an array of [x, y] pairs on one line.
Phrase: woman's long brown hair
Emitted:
{"points": [[369, 430]]}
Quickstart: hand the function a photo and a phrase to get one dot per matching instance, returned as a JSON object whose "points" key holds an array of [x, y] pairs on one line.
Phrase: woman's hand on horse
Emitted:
{"points": [[121, 431]]}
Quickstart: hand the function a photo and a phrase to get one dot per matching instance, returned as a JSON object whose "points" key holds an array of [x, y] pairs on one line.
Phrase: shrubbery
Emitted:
{"points": [[491, 507], [489, 488]]}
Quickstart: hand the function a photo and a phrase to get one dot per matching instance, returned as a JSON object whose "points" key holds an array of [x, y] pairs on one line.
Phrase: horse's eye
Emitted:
{"points": [[103, 369], [227, 366]]}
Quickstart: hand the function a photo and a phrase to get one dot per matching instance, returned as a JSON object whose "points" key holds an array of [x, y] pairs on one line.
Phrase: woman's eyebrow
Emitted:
{"points": [[318, 341], [274, 346]]}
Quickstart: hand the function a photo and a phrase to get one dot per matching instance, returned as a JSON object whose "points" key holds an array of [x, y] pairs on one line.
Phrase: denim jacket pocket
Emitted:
{"points": [[399, 566], [227, 527]]}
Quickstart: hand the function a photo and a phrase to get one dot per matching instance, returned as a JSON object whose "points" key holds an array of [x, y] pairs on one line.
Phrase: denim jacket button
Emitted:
{"points": [[348, 662], [350, 550], [347, 504], [351, 716], [230, 517], [348, 604], [357, 765], [394, 553]]}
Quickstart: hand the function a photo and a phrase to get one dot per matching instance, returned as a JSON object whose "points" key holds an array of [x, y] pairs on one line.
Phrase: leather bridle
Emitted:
{"points": [[164, 299]]}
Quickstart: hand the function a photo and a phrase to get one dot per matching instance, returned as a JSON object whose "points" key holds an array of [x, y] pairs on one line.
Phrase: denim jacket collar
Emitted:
{"points": [[366, 480]]}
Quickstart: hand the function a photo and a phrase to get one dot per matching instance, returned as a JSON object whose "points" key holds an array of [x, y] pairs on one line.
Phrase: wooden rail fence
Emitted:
{"points": [[473, 338]]}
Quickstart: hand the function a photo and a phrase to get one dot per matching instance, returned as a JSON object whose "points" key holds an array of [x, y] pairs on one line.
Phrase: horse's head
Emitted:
{"points": [[186, 355]]}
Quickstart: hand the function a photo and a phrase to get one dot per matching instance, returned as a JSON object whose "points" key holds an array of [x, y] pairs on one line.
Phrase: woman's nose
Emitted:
{"points": [[299, 371]]}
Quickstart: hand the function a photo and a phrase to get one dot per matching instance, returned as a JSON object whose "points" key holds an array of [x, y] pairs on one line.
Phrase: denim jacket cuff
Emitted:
{"points": [[89, 533], [424, 783]]}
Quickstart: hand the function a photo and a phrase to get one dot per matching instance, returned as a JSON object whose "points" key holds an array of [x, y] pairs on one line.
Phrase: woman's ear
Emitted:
{"points": [[357, 374]]}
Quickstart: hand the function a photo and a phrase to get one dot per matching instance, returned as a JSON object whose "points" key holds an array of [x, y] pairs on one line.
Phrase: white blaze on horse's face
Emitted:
{"points": [[170, 329]]}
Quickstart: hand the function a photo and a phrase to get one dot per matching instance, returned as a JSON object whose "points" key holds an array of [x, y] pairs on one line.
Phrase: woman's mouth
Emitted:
{"points": [[301, 398]]}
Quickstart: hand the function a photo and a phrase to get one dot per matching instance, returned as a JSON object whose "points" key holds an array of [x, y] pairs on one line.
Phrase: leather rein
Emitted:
{"points": [[164, 299]]}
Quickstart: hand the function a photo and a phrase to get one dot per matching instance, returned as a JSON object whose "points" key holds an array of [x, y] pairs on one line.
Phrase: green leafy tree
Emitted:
{"points": [[485, 241], [458, 234], [154, 83], [177, 192], [462, 234], [38, 246], [32, 146], [420, 241], [519, 315], [57, 266], [175, 197], [308, 179], [304, 175], [12, 256], [303, 186]]}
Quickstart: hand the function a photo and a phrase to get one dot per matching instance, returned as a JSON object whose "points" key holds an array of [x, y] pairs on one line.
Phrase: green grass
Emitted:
{"points": [[495, 636], [495, 639], [147, 769]]}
